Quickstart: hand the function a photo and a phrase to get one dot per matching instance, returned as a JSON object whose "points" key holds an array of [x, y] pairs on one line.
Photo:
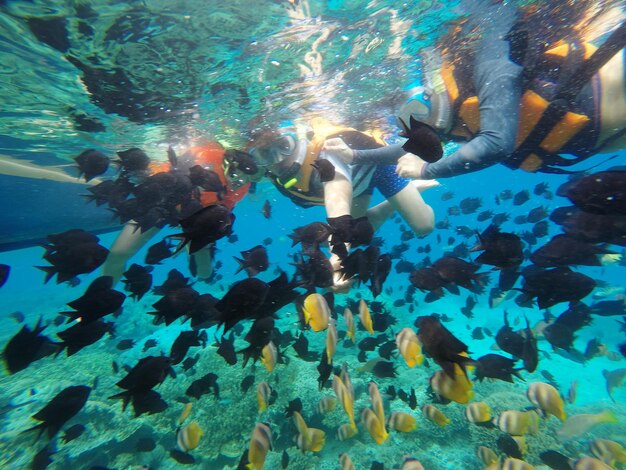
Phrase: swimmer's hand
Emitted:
{"points": [[336, 147], [410, 166]]}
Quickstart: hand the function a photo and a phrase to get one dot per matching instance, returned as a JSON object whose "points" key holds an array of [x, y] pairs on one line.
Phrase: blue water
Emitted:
{"points": [[36, 127]]}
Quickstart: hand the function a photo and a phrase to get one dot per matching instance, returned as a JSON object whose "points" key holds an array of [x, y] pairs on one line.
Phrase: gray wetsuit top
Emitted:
{"points": [[498, 84]]}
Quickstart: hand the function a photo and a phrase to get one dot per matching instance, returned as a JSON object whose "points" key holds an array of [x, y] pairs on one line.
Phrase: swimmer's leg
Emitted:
{"points": [[414, 210], [203, 260], [126, 245]]}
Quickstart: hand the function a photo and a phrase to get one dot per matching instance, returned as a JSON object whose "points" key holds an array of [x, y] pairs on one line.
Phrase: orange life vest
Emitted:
{"points": [[532, 107], [211, 157]]}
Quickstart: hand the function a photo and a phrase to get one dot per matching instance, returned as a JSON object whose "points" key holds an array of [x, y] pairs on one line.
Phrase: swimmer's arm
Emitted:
{"points": [[499, 111], [24, 169], [387, 155]]}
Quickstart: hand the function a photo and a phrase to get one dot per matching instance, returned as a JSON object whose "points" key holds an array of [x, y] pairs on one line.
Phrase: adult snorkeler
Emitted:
{"points": [[228, 165], [514, 97], [290, 156]]}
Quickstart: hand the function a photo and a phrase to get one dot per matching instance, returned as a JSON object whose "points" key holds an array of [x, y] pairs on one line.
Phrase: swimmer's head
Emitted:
{"points": [[424, 105], [427, 97]]}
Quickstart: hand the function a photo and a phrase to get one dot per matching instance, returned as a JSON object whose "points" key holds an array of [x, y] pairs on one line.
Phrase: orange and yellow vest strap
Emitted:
{"points": [[532, 107], [321, 130]]}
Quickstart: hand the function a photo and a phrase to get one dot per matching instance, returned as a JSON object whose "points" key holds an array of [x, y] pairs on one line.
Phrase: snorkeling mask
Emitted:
{"points": [[287, 151], [428, 100]]}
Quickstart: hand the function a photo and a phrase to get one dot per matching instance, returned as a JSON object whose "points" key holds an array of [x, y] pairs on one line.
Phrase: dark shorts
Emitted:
{"points": [[387, 181]]}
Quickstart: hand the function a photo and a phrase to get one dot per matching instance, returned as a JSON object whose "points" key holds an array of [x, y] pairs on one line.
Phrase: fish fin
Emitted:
{"points": [[242, 265], [126, 396]]}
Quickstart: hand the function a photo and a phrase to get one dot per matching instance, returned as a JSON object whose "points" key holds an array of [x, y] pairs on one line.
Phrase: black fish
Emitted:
{"points": [[175, 304], [42, 459], [469, 205], [316, 271], [599, 193], [494, 366], [521, 197], [150, 343], [241, 301], [207, 179], [423, 140], [509, 446], [560, 333], [149, 372], [205, 226], [384, 369], [5, 269], [64, 406], [133, 160], [125, 344], [484, 215], [18, 316], [69, 260], [284, 460], [294, 405], [138, 280], [427, 279], [325, 169], [370, 343], [301, 346], [379, 274], [470, 303], [145, 444], [99, 299], [552, 286], [500, 249], [73, 432], [510, 341], [91, 163], [324, 369], [564, 250], [457, 271], [267, 210], [226, 349], [175, 280], [181, 457], [246, 383], [311, 235], [555, 460], [387, 349], [260, 334], [204, 385], [477, 333], [189, 362], [540, 188], [254, 260], [80, 335], [540, 229], [26, 347], [184, 341], [609, 308], [440, 344], [158, 252]]}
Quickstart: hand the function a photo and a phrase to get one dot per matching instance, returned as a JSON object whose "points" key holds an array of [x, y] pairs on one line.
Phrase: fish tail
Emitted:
{"points": [[242, 265], [126, 396], [50, 272], [609, 417]]}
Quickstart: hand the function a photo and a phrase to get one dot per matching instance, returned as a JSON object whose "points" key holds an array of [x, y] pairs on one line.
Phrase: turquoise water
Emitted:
{"points": [[173, 52]]}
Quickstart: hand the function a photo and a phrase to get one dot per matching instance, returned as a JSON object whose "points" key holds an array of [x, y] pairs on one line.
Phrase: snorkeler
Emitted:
{"points": [[515, 100], [291, 158], [227, 165]]}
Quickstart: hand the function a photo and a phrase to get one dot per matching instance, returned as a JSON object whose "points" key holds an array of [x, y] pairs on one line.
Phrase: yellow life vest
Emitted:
{"points": [[320, 130], [532, 107]]}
